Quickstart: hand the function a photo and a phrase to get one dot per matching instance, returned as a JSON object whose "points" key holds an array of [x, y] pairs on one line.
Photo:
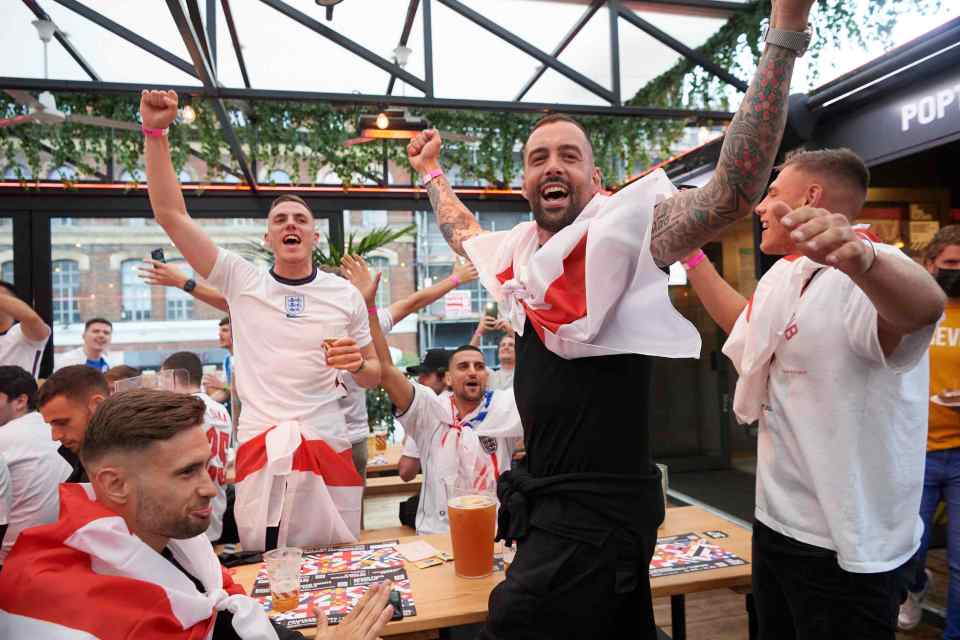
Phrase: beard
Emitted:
{"points": [[556, 220], [156, 516]]}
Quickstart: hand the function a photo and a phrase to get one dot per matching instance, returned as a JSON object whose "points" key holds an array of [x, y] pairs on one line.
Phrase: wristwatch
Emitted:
{"points": [[796, 41], [189, 285]]}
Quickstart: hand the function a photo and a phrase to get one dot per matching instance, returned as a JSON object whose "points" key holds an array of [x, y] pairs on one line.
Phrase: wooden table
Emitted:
{"points": [[392, 453], [392, 486], [443, 600]]}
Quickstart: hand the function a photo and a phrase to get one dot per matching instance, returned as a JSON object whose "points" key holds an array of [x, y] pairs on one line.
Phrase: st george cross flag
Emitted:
{"points": [[593, 289], [86, 576], [288, 476]]}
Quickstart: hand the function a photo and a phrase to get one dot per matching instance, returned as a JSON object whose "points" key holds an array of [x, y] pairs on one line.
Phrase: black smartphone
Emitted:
{"points": [[491, 310], [397, 605], [157, 254]]}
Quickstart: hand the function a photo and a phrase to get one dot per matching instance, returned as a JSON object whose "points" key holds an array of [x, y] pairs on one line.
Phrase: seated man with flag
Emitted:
{"points": [[128, 557], [466, 436], [295, 330]]}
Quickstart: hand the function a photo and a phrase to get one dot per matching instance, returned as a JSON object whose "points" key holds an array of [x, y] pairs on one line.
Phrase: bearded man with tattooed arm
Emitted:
{"points": [[585, 512]]}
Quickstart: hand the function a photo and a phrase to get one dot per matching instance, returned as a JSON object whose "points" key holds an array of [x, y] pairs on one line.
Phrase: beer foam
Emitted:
{"points": [[471, 502]]}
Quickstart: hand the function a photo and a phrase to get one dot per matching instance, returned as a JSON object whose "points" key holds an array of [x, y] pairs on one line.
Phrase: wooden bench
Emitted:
{"points": [[393, 485]]}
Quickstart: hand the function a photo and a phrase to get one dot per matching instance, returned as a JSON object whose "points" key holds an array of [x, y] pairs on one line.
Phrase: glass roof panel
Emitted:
{"points": [[641, 59], [228, 68], [21, 52]]}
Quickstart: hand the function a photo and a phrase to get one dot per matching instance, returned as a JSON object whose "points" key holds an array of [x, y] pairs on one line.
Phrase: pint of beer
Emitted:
{"points": [[473, 519], [283, 571]]}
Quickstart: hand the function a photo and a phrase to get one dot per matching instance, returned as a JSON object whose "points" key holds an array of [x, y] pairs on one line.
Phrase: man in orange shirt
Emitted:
{"points": [[942, 474]]}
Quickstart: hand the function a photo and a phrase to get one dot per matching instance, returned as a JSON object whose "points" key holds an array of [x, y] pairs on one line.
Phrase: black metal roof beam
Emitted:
{"points": [[82, 86], [235, 39], [129, 36], [63, 40], [564, 43], [209, 82], [691, 54], [716, 5], [212, 31], [404, 36], [529, 49], [428, 47], [197, 20], [346, 43]]}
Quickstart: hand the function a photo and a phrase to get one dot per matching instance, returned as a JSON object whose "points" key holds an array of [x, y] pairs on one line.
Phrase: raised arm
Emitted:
{"points": [[392, 379], [462, 273], [31, 324], [158, 109], [456, 222], [162, 274], [692, 218], [722, 302]]}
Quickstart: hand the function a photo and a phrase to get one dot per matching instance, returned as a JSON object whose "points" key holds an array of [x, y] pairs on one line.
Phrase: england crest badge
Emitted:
{"points": [[294, 305]]}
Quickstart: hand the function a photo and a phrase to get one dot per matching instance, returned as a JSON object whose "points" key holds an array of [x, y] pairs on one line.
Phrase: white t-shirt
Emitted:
{"points": [[842, 438], [79, 356], [354, 404], [500, 379], [217, 422], [6, 499], [278, 331], [426, 422], [36, 471], [18, 350]]}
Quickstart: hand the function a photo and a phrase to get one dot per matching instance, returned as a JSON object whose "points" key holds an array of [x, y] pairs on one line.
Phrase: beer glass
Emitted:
{"points": [[283, 571], [473, 520]]}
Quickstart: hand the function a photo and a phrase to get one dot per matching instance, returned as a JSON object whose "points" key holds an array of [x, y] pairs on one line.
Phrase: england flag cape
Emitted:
{"points": [[86, 576], [593, 289], [294, 477]]}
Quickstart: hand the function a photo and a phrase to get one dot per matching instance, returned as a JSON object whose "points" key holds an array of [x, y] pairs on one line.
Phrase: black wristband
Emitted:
{"points": [[189, 285]]}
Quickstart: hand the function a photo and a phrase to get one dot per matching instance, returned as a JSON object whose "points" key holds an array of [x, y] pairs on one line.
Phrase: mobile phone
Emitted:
{"points": [[157, 254], [396, 604], [491, 310]]}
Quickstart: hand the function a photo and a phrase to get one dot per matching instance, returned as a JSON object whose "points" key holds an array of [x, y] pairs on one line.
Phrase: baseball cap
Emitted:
{"points": [[433, 360]]}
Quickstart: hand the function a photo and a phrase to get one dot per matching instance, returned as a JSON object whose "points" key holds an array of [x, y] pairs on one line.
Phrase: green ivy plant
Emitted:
{"points": [[333, 254], [302, 138]]}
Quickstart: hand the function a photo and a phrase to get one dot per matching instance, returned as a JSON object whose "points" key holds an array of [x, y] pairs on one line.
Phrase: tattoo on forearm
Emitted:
{"points": [[691, 218], [455, 221]]}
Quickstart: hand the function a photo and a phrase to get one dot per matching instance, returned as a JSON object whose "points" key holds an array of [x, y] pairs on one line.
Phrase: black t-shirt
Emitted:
{"points": [[77, 473], [582, 415], [223, 628]]}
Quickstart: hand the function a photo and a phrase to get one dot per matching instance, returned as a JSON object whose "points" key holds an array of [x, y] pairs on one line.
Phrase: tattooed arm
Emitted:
{"points": [[691, 218], [456, 222]]}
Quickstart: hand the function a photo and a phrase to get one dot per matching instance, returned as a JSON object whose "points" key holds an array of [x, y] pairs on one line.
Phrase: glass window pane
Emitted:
{"points": [[381, 264], [65, 280], [136, 294], [179, 302]]}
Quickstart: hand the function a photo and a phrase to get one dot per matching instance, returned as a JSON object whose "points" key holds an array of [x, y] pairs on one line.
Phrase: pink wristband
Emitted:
{"points": [[695, 260], [455, 280], [153, 133], [372, 309], [430, 177]]}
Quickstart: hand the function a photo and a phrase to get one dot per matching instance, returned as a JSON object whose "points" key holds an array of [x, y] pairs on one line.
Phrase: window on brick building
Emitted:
{"points": [[65, 280], [6, 271], [135, 303], [179, 302], [381, 264]]}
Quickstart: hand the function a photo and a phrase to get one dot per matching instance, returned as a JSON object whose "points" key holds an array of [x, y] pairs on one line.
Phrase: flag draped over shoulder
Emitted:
{"points": [[288, 476], [86, 576], [593, 289]]}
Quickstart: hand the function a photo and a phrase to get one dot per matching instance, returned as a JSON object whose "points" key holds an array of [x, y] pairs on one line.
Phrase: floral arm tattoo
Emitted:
{"points": [[456, 222], [691, 218]]}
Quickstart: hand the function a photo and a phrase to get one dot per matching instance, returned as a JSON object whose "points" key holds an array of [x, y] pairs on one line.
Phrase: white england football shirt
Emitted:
{"points": [[36, 471], [278, 330], [842, 439], [18, 350], [354, 405], [217, 422]]}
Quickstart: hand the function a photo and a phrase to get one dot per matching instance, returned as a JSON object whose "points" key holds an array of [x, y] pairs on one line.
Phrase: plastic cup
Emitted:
{"points": [[283, 571], [380, 440], [473, 518]]}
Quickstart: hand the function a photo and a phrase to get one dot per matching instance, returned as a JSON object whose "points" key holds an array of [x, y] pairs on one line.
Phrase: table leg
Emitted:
{"points": [[678, 617], [752, 617]]}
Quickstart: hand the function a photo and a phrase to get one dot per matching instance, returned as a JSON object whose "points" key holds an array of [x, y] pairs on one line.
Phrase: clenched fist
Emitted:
{"points": [[424, 151], [158, 109], [826, 238]]}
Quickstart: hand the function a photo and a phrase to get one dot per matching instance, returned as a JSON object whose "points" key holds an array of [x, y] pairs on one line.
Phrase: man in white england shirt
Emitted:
{"points": [[23, 334], [218, 426], [832, 356], [35, 468], [295, 329], [97, 336]]}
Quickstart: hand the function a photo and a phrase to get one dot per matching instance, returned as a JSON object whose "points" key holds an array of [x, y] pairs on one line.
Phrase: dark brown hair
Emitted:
{"points": [[832, 163], [225, 320], [551, 118], [91, 321], [133, 420], [189, 362], [289, 197], [77, 382], [944, 238], [120, 372], [16, 382]]}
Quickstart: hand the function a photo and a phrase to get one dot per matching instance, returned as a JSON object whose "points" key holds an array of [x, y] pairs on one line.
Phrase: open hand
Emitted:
{"points": [[162, 274], [355, 270], [826, 238], [465, 272], [365, 621], [424, 151], [158, 109]]}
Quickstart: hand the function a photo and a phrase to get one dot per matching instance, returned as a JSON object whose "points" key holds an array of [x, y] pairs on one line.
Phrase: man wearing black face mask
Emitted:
{"points": [[942, 469]]}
